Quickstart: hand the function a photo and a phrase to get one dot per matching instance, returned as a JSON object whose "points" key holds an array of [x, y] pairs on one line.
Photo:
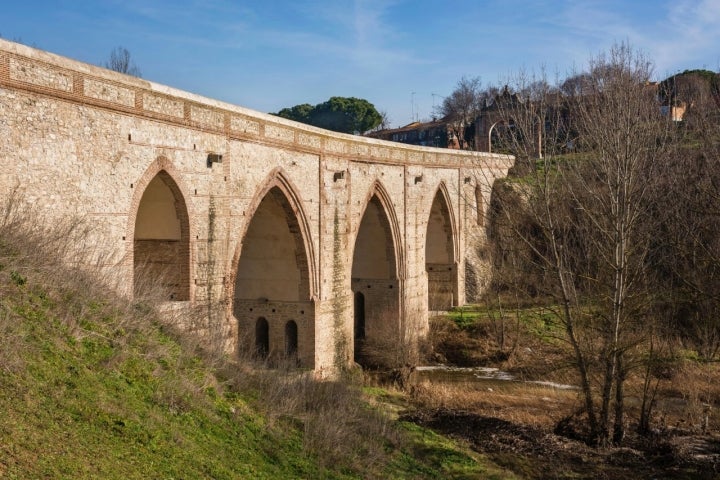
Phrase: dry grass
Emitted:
{"points": [[337, 424], [451, 344], [61, 265], [387, 346], [690, 399], [519, 403], [536, 431]]}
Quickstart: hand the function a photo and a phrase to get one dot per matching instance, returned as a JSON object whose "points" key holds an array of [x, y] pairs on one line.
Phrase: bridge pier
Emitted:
{"points": [[281, 339]]}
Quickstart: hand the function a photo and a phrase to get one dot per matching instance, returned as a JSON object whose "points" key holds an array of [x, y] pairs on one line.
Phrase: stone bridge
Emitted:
{"points": [[288, 239]]}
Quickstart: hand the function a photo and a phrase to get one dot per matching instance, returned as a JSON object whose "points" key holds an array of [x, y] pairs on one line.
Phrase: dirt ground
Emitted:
{"points": [[519, 424], [535, 453]]}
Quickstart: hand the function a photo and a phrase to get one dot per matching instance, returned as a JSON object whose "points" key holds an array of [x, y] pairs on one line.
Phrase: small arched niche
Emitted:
{"points": [[359, 323], [291, 339], [262, 338]]}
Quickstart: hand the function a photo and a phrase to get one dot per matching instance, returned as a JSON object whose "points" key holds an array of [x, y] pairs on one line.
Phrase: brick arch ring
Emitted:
{"points": [[164, 168]]}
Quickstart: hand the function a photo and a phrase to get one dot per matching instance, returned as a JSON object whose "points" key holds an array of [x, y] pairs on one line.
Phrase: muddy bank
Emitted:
{"points": [[536, 454]]}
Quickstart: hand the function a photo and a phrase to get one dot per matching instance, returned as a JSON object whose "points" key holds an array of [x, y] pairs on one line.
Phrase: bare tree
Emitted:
{"points": [[585, 220], [20, 40], [120, 61], [575, 84], [384, 121], [462, 107], [693, 269]]}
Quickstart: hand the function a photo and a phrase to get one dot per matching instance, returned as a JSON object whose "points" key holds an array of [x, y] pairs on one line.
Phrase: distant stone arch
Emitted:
{"points": [[493, 132], [441, 248], [498, 133]]}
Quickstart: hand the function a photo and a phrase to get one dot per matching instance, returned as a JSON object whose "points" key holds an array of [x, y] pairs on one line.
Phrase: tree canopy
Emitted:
{"points": [[339, 114], [684, 87]]}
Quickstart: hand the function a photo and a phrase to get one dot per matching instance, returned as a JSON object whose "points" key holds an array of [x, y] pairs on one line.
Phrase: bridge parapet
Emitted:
{"points": [[44, 73]]}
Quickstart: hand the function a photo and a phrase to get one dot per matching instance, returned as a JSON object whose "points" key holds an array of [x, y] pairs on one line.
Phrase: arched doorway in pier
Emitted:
{"points": [[375, 287], [161, 242], [359, 323], [291, 339], [262, 338], [440, 263], [272, 280]]}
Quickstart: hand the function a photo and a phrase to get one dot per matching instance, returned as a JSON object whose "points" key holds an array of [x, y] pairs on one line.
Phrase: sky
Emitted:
{"points": [[403, 56]]}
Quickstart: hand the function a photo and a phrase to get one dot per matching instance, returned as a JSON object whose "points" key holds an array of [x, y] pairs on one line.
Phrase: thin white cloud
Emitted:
{"points": [[691, 35], [389, 48], [354, 32], [672, 33], [589, 27], [371, 28]]}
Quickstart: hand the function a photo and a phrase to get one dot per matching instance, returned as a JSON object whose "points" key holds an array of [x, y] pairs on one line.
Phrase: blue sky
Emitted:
{"points": [[401, 55]]}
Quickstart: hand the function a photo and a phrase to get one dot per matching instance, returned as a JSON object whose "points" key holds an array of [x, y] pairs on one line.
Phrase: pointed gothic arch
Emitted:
{"points": [[279, 181], [159, 226], [376, 280], [379, 194], [441, 247], [273, 269]]}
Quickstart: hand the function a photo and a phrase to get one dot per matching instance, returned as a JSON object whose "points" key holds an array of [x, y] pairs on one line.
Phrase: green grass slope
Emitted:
{"points": [[92, 386], [82, 398]]}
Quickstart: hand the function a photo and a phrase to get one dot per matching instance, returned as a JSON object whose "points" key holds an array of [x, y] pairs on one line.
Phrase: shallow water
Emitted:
{"points": [[481, 375]]}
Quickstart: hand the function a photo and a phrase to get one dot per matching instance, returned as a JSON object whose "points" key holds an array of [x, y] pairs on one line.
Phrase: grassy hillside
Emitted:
{"points": [[92, 386], [85, 395]]}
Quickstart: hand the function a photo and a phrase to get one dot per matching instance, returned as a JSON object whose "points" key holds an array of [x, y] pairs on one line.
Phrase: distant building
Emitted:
{"points": [[492, 123], [489, 131], [436, 133], [668, 105], [676, 112]]}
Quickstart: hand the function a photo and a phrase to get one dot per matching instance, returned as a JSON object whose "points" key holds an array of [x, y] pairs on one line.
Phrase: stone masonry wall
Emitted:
{"points": [[81, 142]]}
